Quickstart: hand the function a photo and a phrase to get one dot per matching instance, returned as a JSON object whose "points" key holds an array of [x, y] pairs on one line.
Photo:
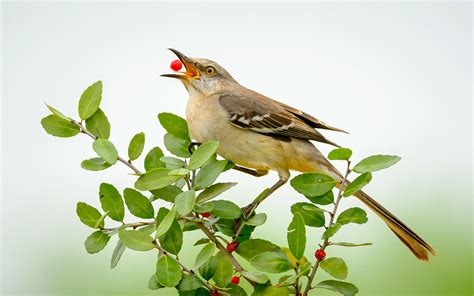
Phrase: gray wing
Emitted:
{"points": [[263, 115]]}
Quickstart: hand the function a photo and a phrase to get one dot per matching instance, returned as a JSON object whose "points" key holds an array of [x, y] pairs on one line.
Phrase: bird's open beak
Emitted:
{"points": [[191, 71]]}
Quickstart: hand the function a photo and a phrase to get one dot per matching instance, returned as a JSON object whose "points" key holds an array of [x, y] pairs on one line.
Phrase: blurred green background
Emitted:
{"points": [[398, 76]]}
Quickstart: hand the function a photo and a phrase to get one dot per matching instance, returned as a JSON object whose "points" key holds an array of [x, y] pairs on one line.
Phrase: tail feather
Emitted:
{"points": [[414, 242]]}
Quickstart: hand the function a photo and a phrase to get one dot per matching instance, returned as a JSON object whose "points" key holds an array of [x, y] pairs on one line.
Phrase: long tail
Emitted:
{"points": [[414, 242]]}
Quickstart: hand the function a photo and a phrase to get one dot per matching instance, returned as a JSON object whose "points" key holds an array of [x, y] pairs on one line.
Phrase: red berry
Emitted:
{"points": [[215, 293], [320, 254], [176, 65], [232, 246], [206, 215], [235, 280]]}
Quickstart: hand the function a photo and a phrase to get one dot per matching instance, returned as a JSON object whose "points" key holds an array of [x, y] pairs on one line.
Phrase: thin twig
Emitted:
{"points": [[331, 222], [186, 269]]}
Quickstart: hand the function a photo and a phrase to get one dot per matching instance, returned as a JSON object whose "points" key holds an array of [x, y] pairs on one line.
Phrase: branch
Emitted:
{"points": [[186, 269], [331, 222]]}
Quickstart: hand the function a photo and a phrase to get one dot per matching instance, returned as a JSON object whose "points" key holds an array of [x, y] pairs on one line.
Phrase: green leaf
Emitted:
{"points": [[155, 179], [90, 100], [95, 164], [352, 215], [173, 161], [57, 113], [312, 215], [153, 283], [96, 242], [296, 236], [271, 262], [59, 127], [344, 244], [204, 207], [313, 184], [204, 255], [185, 202], [135, 148], [271, 291], [167, 193], [335, 266], [253, 247], [138, 204], [376, 163], [98, 125], [136, 240], [105, 149], [357, 184], [189, 283], [331, 230], [152, 159], [325, 199], [111, 201], [88, 215], [101, 220], [257, 277], [208, 269], [202, 154], [172, 240], [174, 125], [213, 191], [235, 290], [340, 154], [179, 172], [224, 271], [257, 220], [226, 209], [168, 272], [165, 224], [117, 254], [201, 241], [209, 173], [177, 146], [344, 288]]}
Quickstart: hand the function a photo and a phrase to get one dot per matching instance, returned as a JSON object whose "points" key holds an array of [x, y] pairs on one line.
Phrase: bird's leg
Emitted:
{"points": [[250, 209], [255, 173], [192, 145]]}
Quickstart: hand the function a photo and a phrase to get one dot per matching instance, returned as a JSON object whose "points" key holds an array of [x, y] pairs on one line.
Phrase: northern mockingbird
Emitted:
{"points": [[256, 132]]}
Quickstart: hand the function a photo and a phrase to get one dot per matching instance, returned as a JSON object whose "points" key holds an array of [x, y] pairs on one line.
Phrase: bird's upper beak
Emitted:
{"points": [[191, 71]]}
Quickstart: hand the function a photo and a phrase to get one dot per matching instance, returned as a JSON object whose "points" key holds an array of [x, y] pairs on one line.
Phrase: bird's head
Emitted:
{"points": [[202, 75]]}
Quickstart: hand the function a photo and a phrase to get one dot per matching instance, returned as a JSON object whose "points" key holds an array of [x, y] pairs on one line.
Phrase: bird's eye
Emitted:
{"points": [[210, 71]]}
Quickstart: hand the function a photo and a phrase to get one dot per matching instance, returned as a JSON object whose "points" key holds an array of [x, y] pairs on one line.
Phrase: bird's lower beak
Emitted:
{"points": [[191, 71]]}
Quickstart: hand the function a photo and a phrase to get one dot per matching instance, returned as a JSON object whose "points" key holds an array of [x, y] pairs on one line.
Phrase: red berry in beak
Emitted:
{"points": [[232, 246], [320, 254], [205, 215], [235, 280], [176, 65]]}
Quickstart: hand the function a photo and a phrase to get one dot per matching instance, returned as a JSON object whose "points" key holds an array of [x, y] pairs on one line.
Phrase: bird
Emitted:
{"points": [[260, 134]]}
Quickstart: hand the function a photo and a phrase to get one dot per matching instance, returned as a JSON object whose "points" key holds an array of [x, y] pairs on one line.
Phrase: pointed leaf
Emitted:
{"points": [[152, 159], [344, 288], [331, 230], [204, 255], [172, 240], [98, 125], [185, 202], [376, 163], [105, 149], [257, 277], [155, 179], [95, 164], [209, 173], [296, 236], [182, 172], [96, 242], [153, 283], [174, 125], [117, 254], [111, 201], [168, 272], [213, 191], [57, 113], [208, 269], [136, 240], [352, 215], [357, 184], [202, 154], [344, 244], [90, 100], [88, 215], [59, 127], [165, 223], [135, 148], [138, 204], [177, 146]]}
